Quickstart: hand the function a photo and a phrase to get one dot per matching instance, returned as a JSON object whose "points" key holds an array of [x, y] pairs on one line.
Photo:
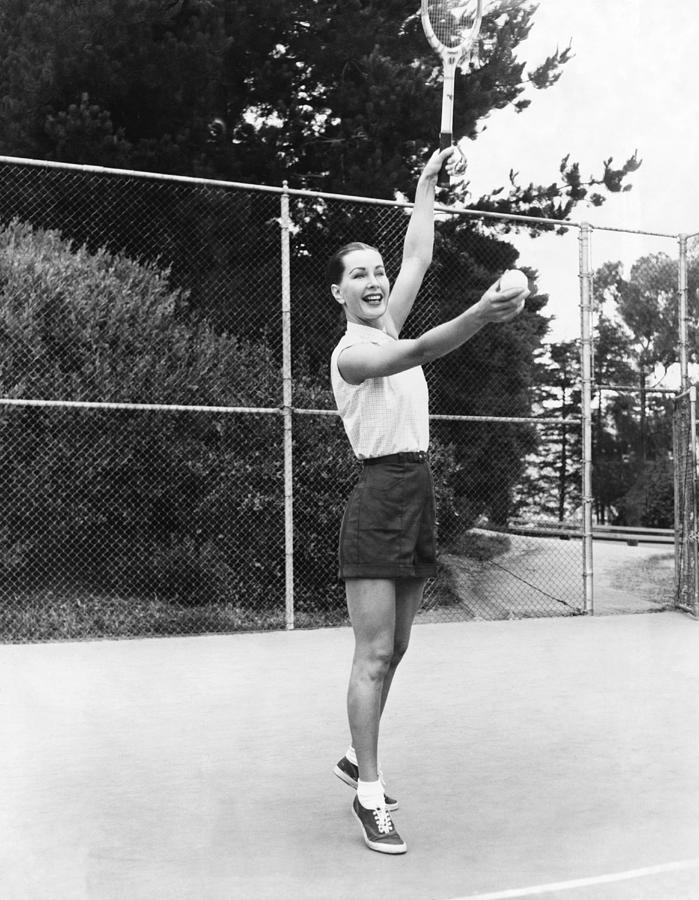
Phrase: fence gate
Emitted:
{"points": [[686, 537]]}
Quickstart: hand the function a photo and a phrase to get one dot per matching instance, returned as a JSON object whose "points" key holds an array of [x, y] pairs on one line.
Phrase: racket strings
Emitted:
{"points": [[453, 20]]}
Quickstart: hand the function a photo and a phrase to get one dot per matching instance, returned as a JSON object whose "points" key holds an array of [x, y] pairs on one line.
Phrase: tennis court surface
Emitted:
{"points": [[537, 758]]}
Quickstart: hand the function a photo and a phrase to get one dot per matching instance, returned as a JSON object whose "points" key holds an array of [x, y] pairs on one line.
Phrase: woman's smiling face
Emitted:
{"points": [[364, 287]]}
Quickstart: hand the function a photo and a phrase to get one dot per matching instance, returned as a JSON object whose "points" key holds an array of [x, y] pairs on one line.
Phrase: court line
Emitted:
{"points": [[679, 866]]}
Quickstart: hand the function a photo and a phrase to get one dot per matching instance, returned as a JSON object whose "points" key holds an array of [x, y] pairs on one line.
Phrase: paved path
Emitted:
{"points": [[631, 579], [542, 758]]}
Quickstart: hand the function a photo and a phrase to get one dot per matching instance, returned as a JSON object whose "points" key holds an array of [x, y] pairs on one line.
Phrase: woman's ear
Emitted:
{"points": [[337, 293]]}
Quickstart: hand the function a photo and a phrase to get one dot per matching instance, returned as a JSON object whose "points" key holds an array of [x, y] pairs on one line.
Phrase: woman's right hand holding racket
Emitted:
{"points": [[451, 156]]}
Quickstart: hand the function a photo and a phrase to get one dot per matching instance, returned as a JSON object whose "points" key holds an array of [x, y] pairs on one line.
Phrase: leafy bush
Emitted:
{"points": [[179, 504]]}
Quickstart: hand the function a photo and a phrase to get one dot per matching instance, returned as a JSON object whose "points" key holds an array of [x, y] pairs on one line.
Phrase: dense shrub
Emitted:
{"points": [[180, 504]]}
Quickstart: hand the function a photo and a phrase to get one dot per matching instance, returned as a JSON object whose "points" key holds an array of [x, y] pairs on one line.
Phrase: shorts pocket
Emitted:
{"points": [[381, 501]]}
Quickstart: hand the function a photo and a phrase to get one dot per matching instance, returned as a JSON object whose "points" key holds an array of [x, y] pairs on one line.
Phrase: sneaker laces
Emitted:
{"points": [[383, 820]]}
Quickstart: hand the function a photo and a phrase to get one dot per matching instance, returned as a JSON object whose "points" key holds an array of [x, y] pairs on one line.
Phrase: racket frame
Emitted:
{"points": [[451, 58]]}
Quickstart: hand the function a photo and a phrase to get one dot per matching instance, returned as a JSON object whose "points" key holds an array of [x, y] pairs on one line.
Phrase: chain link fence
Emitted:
{"points": [[687, 539], [170, 454]]}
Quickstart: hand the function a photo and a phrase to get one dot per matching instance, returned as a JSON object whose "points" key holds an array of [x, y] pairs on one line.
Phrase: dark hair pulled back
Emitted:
{"points": [[336, 264]]}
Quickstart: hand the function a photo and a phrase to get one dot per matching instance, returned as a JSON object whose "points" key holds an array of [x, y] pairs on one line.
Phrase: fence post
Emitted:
{"points": [[682, 316], [678, 484], [692, 537], [287, 399], [586, 403]]}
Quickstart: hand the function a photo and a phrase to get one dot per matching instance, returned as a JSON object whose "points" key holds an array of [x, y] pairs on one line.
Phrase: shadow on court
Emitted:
{"points": [[538, 758]]}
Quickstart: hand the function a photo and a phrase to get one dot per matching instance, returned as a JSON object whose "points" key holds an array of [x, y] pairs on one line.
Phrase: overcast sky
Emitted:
{"points": [[633, 84]]}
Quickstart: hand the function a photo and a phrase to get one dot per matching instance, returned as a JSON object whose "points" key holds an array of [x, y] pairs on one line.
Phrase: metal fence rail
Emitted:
{"points": [[170, 454]]}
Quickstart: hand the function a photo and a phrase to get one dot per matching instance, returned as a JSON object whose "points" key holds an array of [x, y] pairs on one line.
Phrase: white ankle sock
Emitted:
{"points": [[352, 757], [370, 794]]}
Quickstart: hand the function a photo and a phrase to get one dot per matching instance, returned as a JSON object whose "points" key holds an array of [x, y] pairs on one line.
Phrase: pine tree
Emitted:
{"points": [[341, 96]]}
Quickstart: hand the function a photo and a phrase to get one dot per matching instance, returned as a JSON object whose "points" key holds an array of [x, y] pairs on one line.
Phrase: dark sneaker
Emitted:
{"points": [[379, 831], [349, 773]]}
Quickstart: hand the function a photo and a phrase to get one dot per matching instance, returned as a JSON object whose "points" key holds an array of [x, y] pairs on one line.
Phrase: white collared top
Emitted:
{"points": [[381, 415]]}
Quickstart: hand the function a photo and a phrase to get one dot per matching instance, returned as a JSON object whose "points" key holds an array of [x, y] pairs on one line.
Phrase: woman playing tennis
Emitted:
{"points": [[387, 537]]}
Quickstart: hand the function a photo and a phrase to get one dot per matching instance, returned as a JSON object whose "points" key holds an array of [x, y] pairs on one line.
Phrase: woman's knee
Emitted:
{"points": [[374, 661]]}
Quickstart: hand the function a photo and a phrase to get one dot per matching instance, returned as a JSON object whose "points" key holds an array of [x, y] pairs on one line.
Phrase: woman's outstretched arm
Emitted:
{"points": [[418, 244]]}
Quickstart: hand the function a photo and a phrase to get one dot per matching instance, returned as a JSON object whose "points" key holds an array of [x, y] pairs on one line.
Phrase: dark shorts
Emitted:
{"points": [[389, 529]]}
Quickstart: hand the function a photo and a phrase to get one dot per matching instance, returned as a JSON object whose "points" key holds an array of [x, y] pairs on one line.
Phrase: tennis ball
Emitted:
{"points": [[514, 278], [511, 279]]}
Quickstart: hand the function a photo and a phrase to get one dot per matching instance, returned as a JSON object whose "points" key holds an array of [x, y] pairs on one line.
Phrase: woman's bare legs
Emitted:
{"points": [[409, 593], [382, 613], [372, 609]]}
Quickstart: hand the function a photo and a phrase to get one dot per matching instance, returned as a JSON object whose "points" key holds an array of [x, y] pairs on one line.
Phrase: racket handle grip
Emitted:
{"points": [[444, 141]]}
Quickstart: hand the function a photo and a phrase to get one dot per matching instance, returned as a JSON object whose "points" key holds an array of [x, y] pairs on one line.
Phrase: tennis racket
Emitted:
{"points": [[451, 27]]}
